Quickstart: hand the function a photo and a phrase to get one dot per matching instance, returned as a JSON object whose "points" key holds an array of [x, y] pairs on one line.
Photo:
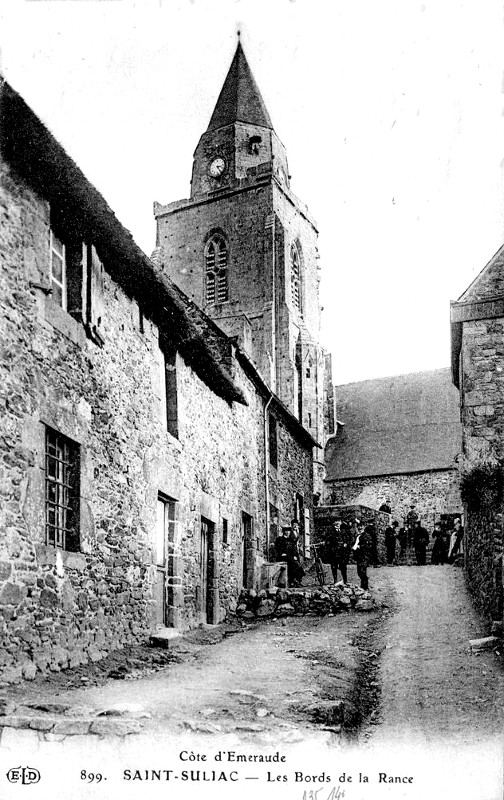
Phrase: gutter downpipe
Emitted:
{"points": [[267, 474], [274, 376]]}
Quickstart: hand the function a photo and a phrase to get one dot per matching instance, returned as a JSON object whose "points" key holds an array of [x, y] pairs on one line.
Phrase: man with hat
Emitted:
{"points": [[361, 552], [390, 541], [286, 549], [282, 544], [386, 507], [337, 547], [420, 542]]}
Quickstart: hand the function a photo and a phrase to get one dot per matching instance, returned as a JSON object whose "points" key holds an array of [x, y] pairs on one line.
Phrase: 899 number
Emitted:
{"points": [[91, 777]]}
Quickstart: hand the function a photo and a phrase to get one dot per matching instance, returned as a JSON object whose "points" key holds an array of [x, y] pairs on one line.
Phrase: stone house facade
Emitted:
{"points": [[397, 438], [244, 248], [144, 462], [477, 326]]}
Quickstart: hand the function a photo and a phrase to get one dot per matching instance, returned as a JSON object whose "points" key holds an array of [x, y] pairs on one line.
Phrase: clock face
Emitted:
{"points": [[217, 167]]}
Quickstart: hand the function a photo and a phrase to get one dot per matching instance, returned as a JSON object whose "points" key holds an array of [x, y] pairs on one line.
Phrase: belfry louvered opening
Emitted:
{"points": [[216, 262], [295, 278]]}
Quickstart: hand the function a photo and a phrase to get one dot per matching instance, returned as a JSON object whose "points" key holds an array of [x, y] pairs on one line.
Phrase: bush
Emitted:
{"points": [[482, 487]]}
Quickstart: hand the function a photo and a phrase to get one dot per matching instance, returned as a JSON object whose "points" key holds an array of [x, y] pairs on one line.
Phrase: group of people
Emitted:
{"points": [[343, 542], [447, 543]]}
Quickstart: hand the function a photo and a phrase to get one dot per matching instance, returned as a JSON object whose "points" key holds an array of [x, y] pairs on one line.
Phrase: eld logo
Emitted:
{"points": [[23, 775]]}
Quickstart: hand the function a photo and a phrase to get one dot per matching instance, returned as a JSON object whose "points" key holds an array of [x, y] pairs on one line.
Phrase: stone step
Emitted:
{"points": [[487, 643], [163, 637]]}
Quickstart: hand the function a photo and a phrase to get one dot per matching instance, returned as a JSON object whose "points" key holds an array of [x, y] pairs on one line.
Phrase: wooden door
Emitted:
{"points": [[161, 548], [204, 567], [247, 550]]}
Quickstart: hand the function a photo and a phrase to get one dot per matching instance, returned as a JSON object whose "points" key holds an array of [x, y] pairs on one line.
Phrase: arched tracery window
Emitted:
{"points": [[295, 266], [216, 264]]}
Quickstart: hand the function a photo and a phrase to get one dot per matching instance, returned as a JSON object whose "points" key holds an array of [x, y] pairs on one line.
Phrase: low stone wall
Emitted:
{"points": [[276, 602], [432, 494]]}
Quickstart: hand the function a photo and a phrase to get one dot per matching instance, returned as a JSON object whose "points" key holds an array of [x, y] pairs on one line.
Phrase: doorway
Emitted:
{"points": [[247, 551], [207, 570], [164, 546]]}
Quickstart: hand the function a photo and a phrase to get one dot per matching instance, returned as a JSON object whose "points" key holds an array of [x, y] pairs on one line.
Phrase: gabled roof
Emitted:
{"points": [[489, 282], [483, 299], [397, 425], [240, 99], [225, 348]]}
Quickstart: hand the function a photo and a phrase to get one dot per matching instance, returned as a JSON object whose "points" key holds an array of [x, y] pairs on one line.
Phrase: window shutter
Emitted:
{"points": [[95, 304], [76, 253]]}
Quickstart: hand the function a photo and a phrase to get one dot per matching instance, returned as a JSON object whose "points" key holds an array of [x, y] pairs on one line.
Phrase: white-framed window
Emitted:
{"points": [[62, 481], [58, 271], [76, 275]]}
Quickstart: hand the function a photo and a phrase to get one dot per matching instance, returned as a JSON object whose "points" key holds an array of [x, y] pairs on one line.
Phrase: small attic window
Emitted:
{"points": [[254, 144]]}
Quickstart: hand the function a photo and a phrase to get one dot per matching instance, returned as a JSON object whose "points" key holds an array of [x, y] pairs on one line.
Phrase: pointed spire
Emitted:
{"points": [[240, 100]]}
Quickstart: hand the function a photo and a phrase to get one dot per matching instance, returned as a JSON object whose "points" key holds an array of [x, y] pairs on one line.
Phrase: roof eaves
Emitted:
{"points": [[290, 420]]}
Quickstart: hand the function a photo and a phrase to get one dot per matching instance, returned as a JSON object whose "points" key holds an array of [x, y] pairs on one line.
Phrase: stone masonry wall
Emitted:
{"points": [[432, 493], [483, 545], [294, 476], [482, 404], [261, 223], [482, 389], [61, 608]]}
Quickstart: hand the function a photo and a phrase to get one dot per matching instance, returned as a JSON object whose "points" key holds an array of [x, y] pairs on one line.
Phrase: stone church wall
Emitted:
{"points": [[60, 608], [241, 216], [432, 493], [258, 244]]}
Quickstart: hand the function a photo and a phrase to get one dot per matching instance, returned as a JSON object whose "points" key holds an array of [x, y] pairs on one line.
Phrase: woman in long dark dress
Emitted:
{"points": [[456, 541], [440, 549]]}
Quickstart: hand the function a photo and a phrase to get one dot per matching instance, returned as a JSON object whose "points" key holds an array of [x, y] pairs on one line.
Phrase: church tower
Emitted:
{"points": [[244, 249]]}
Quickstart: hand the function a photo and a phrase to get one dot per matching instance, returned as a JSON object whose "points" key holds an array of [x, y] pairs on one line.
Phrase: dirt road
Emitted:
{"points": [[276, 681], [402, 673], [432, 686], [439, 722], [394, 692]]}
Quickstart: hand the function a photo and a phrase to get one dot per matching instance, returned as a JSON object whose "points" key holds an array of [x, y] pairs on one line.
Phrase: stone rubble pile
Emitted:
{"points": [[276, 602]]}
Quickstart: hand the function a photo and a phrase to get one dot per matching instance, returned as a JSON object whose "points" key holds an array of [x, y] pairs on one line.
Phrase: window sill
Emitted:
{"points": [[173, 441], [64, 322], [47, 555]]}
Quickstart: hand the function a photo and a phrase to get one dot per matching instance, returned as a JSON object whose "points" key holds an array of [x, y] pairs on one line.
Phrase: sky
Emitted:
{"points": [[391, 113]]}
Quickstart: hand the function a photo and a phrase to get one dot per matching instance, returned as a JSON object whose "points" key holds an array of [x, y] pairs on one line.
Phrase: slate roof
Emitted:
{"points": [[240, 99], [397, 425], [489, 282]]}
